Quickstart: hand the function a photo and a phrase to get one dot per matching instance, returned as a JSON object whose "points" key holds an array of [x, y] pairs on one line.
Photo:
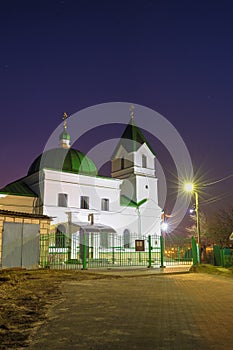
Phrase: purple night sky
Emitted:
{"points": [[175, 57]]}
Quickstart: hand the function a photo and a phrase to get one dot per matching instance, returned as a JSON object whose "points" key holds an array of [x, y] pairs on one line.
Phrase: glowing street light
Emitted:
{"points": [[190, 187], [164, 226]]}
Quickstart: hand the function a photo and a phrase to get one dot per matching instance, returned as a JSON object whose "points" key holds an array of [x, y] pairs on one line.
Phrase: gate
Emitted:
{"points": [[114, 252], [174, 252], [20, 245], [93, 250], [222, 256]]}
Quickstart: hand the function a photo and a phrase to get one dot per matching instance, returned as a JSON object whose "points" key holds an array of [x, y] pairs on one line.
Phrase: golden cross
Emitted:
{"points": [[131, 110], [64, 118]]}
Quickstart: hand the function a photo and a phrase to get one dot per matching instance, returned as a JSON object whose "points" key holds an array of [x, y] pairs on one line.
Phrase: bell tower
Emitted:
{"points": [[134, 161]]}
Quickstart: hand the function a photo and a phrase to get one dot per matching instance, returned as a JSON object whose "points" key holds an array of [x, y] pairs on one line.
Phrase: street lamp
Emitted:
{"points": [[164, 226], [190, 187]]}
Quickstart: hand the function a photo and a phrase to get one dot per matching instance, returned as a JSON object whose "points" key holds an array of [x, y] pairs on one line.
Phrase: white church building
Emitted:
{"points": [[63, 183]]}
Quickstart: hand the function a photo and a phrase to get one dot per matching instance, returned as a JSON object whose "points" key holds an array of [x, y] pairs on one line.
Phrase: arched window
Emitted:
{"points": [[126, 238], [144, 161], [60, 237]]}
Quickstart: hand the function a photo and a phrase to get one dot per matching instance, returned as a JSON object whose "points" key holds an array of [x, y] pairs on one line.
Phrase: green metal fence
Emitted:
{"points": [[175, 253], [58, 251], [223, 256]]}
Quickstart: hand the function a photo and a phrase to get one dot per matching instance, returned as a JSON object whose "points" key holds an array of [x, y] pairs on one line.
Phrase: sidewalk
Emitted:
{"points": [[163, 312], [142, 271]]}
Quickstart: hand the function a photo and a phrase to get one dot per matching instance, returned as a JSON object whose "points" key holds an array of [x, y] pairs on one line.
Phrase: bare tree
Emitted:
{"points": [[222, 227], [204, 227]]}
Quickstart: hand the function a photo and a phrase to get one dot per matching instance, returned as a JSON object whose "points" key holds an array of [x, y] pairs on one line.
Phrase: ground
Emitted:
{"points": [[26, 297], [115, 310]]}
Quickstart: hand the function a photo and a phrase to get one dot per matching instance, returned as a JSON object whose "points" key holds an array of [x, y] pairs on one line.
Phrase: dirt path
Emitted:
{"points": [[25, 299]]}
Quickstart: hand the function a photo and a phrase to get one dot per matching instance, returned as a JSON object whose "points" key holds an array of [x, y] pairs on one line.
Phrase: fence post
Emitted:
{"points": [[194, 251], [161, 252], [150, 248], [222, 257], [113, 254], [84, 252]]}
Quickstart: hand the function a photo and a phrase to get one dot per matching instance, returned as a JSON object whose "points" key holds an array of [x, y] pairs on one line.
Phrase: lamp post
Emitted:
{"points": [[190, 187]]}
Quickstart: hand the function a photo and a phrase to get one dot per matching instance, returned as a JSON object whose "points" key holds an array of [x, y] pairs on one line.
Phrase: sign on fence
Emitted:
{"points": [[140, 245]]}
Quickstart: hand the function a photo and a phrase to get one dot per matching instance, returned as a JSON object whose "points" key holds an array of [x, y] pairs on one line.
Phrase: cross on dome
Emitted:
{"points": [[64, 136], [65, 116], [131, 111]]}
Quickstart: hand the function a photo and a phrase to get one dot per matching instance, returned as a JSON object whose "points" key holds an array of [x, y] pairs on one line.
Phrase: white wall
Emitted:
{"points": [[96, 188], [144, 149], [76, 186]]}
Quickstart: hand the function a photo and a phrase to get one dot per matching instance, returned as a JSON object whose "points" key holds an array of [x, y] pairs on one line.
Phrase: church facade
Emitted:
{"points": [[63, 183]]}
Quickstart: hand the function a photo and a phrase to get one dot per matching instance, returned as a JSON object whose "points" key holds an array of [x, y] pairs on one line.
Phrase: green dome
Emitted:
{"points": [[68, 160], [64, 135]]}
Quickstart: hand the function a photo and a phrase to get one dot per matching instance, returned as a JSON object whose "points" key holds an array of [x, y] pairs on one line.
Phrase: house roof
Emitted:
{"points": [[127, 202], [100, 228], [18, 188], [22, 214], [87, 227]]}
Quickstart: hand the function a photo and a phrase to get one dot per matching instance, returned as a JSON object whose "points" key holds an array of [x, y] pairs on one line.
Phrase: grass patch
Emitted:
{"points": [[215, 270]]}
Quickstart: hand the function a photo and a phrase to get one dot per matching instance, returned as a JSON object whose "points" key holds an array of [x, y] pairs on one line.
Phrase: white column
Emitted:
{"points": [[96, 244]]}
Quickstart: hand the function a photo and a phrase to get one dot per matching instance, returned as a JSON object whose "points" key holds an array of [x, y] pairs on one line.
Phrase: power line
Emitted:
{"points": [[215, 199], [217, 181]]}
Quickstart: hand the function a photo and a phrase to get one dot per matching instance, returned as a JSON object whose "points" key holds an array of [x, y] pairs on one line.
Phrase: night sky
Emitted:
{"points": [[175, 57]]}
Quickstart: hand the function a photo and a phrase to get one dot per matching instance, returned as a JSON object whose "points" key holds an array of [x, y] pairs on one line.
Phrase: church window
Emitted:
{"points": [[60, 238], [144, 161], [84, 202], [105, 204], [62, 199], [126, 238]]}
